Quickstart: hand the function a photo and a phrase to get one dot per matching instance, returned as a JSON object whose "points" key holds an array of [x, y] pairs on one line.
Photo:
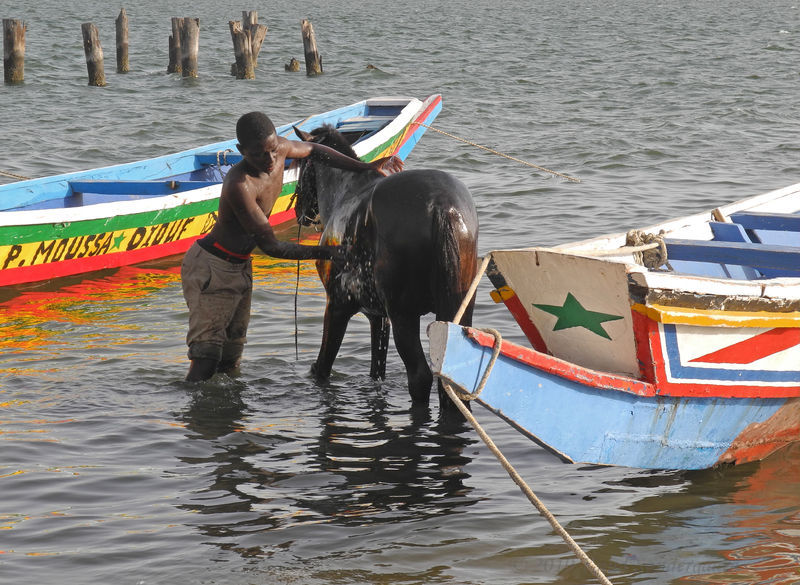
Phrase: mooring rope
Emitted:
{"points": [[649, 250], [498, 153], [472, 288], [462, 392], [457, 393], [15, 176], [574, 546]]}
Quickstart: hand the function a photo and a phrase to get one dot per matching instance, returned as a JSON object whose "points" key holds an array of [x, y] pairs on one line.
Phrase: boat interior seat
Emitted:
{"points": [[731, 259]]}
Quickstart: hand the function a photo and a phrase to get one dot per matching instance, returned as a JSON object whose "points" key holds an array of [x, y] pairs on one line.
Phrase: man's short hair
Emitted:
{"points": [[254, 127]]}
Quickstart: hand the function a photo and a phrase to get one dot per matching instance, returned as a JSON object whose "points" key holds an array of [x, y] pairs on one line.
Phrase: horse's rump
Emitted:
{"points": [[426, 230]]}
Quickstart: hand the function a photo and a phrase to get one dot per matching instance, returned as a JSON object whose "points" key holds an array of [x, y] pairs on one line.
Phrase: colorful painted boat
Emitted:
{"points": [[104, 218], [687, 364]]}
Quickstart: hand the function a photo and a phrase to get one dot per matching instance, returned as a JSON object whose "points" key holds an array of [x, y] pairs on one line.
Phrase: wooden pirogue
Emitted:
{"points": [[104, 218], [689, 363]]}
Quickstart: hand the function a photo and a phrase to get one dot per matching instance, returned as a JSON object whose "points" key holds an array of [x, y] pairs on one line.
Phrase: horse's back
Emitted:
{"points": [[407, 201]]}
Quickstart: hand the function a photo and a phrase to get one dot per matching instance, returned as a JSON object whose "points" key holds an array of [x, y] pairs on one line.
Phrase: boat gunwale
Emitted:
{"points": [[20, 216]]}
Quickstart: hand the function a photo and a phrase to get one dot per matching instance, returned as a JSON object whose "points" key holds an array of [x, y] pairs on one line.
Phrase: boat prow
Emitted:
{"points": [[683, 360]]}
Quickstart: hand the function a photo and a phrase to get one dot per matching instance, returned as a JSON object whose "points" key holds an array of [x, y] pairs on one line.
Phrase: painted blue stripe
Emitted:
{"points": [[730, 374], [605, 426], [404, 151]]}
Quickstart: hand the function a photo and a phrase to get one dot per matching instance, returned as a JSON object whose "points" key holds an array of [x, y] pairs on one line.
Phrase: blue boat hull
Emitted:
{"points": [[589, 417]]}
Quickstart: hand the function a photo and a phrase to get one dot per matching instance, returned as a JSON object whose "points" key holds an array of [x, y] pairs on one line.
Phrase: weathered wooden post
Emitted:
{"points": [[175, 47], [292, 65], [256, 32], [190, 45], [14, 50], [244, 68], [248, 37], [122, 42], [94, 54], [313, 59]]}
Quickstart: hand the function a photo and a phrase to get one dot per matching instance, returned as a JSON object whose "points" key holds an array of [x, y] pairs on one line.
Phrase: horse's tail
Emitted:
{"points": [[454, 273]]}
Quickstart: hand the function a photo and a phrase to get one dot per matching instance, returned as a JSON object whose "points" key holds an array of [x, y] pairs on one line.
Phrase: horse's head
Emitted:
{"points": [[307, 196]]}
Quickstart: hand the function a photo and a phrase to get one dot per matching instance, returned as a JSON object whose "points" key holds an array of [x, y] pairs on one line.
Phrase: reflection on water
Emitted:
{"points": [[317, 484], [760, 529], [328, 461]]}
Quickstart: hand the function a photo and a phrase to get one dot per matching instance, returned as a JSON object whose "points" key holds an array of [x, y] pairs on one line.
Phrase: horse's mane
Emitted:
{"points": [[330, 136]]}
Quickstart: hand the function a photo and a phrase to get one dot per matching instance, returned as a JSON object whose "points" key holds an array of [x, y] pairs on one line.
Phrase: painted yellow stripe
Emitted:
{"points": [[502, 294], [717, 318], [35, 253]]}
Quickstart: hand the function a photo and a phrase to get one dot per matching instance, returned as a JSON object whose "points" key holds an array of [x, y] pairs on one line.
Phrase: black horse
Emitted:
{"points": [[412, 240]]}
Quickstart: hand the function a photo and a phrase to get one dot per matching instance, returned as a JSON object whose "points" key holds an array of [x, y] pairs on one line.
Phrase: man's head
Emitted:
{"points": [[253, 128], [258, 141]]}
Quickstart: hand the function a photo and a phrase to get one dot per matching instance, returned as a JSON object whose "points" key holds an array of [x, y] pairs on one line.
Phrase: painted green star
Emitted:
{"points": [[118, 241], [572, 314]]}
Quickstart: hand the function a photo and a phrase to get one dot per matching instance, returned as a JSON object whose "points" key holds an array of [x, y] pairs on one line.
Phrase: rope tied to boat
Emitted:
{"points": [[462, 392], [649, 250], [458, 395], [517, 478], [498, 153], [222, 157]]}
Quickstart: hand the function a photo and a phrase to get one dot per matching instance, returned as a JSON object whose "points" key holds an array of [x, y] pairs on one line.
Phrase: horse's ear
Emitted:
{"points": [[305, 136]]}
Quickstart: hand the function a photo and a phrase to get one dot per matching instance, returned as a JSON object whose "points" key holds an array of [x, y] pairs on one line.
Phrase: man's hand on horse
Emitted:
{"points": [[341, 256], [388, 165]]}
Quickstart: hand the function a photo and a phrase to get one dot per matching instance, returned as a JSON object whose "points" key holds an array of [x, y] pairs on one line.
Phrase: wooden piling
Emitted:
{"points": [[256, 32], [175, 47], [292, 65], [190, 45], [123, 66], [14, 50], [94, 54], [248, 36], [313, 59], [244, 68]]}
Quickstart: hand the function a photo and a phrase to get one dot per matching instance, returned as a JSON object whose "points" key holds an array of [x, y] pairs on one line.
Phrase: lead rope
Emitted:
{"points": [[465, 395], [297, 294]]}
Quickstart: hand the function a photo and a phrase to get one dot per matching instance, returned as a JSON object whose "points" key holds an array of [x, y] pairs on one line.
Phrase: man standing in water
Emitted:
{"points": [[216, 273]]}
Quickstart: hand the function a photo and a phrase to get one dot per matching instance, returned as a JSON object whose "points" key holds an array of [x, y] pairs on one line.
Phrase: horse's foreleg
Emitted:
{"points": [[406, 339], [379, 331], [334, 327]]}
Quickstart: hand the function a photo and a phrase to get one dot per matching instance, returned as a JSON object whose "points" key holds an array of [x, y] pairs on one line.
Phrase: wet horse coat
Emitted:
{"points": [[412, 250]]}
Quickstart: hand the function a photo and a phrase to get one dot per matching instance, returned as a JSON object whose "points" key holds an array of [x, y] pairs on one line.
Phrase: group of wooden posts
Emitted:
{"points": [[184, 44]]}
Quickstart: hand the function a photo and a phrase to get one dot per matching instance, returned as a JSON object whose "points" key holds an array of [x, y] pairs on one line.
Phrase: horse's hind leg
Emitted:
{"points": [[406, 340], [379, 331], [334, 327]]}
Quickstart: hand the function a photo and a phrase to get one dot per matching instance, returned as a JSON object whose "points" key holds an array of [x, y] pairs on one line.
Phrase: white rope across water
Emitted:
{"points": [[14, 176], [458, 394], [498, 153]]}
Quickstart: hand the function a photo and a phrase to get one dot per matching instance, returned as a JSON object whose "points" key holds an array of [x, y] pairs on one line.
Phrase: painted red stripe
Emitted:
{"points": [[517, 310], [558, 367], [707, 389], [281, 217], [753, 349]]}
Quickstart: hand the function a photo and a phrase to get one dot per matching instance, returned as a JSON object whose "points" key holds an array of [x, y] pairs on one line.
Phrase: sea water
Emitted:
{"points": [[112, 470]]}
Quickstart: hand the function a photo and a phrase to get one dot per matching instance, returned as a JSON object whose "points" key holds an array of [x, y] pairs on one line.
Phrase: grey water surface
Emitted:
{"points": [[112, 470]]}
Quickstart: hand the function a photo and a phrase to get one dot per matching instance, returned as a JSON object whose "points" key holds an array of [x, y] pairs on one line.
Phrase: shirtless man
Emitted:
{"points": [[216, 273]]}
